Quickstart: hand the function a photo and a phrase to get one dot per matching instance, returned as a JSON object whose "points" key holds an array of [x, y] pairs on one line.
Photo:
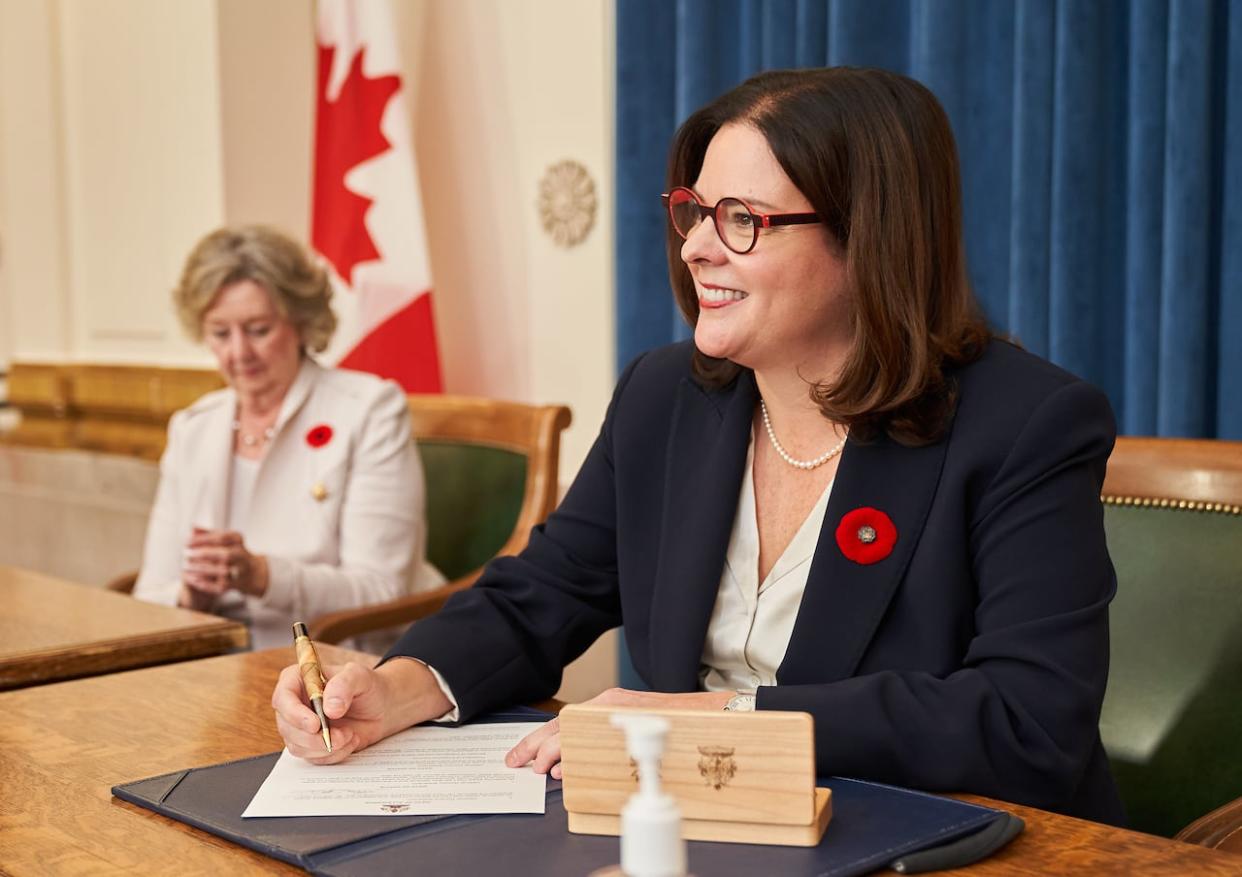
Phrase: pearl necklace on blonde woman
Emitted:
{"points": [[251, 441], [786, 456]]}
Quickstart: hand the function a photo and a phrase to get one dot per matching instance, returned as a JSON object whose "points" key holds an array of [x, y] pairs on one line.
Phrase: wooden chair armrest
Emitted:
{"points": [[336, 626], [123, 584], [1219, 830]]}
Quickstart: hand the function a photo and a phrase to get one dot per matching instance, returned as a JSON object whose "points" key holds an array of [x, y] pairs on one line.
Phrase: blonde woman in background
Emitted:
{"points": [[297, 489]]}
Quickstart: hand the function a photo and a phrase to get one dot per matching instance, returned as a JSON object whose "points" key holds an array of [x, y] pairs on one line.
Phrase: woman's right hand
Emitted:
{"points": [[363, 706]]}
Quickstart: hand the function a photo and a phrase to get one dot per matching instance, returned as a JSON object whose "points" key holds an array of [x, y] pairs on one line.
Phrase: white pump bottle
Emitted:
{"points": [[651, 844]]}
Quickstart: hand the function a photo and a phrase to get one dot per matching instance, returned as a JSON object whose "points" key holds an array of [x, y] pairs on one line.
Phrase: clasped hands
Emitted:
{"points": [[217, 561], [365, 705]]}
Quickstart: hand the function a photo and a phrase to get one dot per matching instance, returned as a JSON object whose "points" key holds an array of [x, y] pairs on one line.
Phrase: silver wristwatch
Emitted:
{"points": [[741, 703]]}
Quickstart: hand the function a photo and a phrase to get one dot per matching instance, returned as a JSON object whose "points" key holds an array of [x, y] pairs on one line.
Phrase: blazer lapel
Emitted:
{"points": [[209, 464], [299, 391], [280, 465], [844, 600], [709, 435]]}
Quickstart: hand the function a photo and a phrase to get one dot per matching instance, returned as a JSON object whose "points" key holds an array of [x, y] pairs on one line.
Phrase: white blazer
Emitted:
{"points": [[342, 523]]}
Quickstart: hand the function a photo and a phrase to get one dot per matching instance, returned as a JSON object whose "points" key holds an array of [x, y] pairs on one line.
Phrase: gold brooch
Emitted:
{"points": [[319, 492]]}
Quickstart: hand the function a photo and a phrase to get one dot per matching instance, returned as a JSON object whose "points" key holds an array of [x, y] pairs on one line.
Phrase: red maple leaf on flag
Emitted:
{"points": [[347, 133]]}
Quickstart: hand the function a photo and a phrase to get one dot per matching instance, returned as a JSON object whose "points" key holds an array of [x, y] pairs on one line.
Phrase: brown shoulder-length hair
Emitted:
{"points": [[874, 154]]}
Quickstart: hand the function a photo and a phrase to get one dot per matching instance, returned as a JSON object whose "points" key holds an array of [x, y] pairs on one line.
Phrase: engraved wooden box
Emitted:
{"points": [[737, 777]]}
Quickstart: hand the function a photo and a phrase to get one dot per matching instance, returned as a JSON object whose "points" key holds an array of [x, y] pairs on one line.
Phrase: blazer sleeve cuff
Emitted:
{"points": [[282, 583]]}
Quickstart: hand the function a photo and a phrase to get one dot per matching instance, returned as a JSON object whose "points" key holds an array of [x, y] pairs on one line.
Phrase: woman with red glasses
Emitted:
{"points": [[843, 497]]}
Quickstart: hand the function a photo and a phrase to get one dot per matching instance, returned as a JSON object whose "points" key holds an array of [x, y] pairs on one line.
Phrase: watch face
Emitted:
{"points": [[741, 703]]}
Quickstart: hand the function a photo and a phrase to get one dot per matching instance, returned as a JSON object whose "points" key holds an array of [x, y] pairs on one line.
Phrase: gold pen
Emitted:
{"points": [[312, 676]]}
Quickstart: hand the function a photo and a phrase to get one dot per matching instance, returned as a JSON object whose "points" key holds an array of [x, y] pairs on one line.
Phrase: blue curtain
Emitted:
{"points": [[1101, 148]]}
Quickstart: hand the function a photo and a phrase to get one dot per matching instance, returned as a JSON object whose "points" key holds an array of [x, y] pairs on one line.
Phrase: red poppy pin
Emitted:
{"points": [[866, 535], [319, 435]]}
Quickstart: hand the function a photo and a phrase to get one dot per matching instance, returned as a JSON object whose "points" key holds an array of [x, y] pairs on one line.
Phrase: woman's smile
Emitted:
{"points": [[713, 297]]}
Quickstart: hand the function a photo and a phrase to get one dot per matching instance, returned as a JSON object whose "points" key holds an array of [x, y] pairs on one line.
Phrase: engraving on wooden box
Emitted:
{"points": [[717, 765]]}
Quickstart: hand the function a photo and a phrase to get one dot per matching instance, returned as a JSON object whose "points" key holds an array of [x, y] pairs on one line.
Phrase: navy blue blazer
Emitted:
{"points": [[973, 658]]}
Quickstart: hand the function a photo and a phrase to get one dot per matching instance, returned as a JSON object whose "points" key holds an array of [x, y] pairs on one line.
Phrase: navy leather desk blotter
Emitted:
{"points": [[872, 825]]}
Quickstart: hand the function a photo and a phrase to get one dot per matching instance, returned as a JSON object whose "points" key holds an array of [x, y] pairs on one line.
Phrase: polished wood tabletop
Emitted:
{"points": [[63, 746], [51, 630]]}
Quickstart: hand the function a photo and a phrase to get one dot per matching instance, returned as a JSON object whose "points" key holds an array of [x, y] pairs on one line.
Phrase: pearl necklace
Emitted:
{"points": [[786, 456], [251, 441]]}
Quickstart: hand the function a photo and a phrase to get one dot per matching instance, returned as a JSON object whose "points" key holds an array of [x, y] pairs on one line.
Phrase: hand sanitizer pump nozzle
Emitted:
{"points": [[651, 844]]}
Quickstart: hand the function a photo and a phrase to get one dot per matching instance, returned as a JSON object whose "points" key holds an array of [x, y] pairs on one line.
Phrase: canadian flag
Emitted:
{"points": [[367, 216]]}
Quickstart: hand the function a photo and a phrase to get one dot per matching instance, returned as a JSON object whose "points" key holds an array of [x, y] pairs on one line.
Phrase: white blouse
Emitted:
{"points": [[242, 475], [233, 604], [752, 621]]}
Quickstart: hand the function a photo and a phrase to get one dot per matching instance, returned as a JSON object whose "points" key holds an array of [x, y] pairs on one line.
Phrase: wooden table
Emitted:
{"points": [[52, 630], [62, 747]]}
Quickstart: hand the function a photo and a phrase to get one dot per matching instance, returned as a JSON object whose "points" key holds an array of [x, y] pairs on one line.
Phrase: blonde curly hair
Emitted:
{"points": [[299, 286]]}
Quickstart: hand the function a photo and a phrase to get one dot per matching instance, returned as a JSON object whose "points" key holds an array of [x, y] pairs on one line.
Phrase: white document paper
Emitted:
{"points": [[420, 771]]}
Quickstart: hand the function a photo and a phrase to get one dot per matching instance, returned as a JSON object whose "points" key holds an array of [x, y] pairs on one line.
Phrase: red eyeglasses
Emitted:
{"points": [[736, 224]]}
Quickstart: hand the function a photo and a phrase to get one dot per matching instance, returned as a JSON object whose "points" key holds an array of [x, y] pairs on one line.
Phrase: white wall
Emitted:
{"points": [[503, 91], [143, 166], [34, 289], [73, 514], [129, 128], [266, 58]]}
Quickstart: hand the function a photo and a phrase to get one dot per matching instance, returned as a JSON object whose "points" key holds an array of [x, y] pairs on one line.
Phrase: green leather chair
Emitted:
{"points": [[1172, 717], [491, 475]]}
